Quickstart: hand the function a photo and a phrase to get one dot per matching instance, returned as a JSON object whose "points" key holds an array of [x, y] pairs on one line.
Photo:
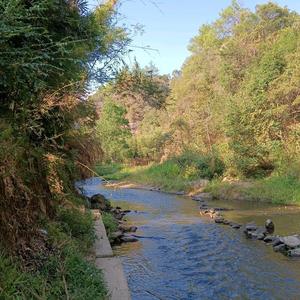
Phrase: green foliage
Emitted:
{"points": [[201, 166], [63, 272], [50, 51], [283, 189], [177, 173], [78, 225], [146, 84], [255, 122], [114, 131], [142, 92], [234, 104], [110, 223], [106, 169], [237, 93]]}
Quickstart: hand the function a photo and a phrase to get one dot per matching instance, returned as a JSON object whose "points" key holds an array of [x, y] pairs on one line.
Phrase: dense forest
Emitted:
{"points": [[233, 110]]}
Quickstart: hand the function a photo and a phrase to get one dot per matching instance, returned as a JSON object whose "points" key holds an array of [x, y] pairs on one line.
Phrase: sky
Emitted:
{"points": [[169, 25]]}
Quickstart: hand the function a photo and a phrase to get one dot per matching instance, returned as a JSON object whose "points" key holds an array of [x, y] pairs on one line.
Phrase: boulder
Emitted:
{"points": [[294, 252], [251, 226], [235, 225], [222, 209], [269, 226], [128, 239], [226, 222], [125, 228], [204, 205], [280, 248], [292, 241], [99, 201], [116, 235], [219, 220], [258, 234], [269, 239], [203, 197], [276, 241], [217, 214], [180, 193]]}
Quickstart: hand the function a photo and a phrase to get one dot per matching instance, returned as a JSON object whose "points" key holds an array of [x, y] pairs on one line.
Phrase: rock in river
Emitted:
{"points": [[294, 252], [269, 226], [269, 239], [235, 225], [203, 197], [292, 241], [125, 228], [250, 226], [219, 220], [99, 201], [280, 248], [116, 234], [128, 239]]}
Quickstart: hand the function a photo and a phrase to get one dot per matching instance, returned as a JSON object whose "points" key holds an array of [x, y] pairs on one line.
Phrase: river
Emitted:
{"points": [[185, 256]]}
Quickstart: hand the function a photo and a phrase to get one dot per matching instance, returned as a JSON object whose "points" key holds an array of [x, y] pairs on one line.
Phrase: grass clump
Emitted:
{"points": [[110, 224], [282, 189], [78, 225]]}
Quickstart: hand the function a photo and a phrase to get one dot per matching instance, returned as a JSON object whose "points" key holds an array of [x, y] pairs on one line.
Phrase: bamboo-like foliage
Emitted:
{"points": [[50, 50]]}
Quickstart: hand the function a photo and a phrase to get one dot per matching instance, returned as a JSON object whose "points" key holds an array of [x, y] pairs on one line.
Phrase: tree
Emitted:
{"points": [[114, 132]]}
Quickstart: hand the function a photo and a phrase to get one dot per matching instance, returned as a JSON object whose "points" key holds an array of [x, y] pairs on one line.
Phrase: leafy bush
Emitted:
{"points": [[195, 165], [65, 273]]}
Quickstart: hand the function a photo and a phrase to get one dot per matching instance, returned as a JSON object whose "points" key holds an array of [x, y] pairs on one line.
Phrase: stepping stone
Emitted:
{"points": [[291, 241]]}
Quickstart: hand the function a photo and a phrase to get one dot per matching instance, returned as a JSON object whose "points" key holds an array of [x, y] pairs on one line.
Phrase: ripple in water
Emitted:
{"points": [[194, 258]]}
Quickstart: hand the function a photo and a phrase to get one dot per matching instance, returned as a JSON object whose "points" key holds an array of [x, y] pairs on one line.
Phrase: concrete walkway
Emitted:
{"points": [[110, 265]]}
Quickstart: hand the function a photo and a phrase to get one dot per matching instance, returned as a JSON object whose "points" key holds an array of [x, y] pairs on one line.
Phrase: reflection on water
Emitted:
{"points": [[185, 256]]}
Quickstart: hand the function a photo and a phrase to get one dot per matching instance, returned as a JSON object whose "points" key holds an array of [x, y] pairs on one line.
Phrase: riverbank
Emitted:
{"points": [[279, 189]]}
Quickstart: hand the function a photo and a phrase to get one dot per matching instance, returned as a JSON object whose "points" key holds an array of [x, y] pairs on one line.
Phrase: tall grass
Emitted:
{"points": [[175, 174], [277, 189]]}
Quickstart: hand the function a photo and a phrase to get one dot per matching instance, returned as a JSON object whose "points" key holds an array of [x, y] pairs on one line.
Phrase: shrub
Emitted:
{"points": [[78, 225]]}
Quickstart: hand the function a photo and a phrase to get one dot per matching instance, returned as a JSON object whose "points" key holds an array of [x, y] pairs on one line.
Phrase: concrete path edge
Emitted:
{"points": [[110, 265]]}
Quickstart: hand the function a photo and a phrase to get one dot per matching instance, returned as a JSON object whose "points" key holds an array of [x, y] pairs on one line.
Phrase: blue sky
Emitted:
{"points": [[170, 24]]}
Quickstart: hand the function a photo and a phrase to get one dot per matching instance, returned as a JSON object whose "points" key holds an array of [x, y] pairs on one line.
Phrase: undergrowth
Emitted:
{"points": [[277, 189], [177, 173], [61, 273], [110, 224]]}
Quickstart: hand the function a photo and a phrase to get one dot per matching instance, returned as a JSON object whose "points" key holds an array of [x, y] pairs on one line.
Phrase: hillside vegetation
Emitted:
{"points": [[235, 100], [50, 51]]}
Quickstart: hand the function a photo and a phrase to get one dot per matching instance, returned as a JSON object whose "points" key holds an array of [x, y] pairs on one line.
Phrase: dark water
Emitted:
{"points": [[185, 256]]}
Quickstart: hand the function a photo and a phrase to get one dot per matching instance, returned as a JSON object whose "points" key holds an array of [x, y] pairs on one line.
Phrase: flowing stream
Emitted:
{"points": [[182, 255]]}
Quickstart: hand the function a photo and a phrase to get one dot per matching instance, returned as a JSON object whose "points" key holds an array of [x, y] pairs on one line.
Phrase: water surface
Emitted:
{"points": [[185, 256]]}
